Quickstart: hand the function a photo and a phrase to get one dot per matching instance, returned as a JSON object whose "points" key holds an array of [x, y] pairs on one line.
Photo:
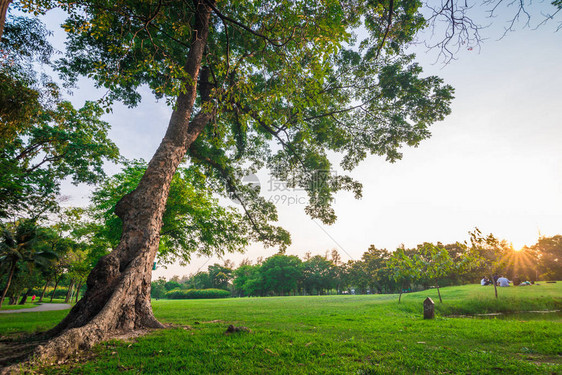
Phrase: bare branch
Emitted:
{"points": [[452, 19]]}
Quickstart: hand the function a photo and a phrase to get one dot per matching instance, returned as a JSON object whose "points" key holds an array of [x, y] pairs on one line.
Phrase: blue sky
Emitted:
{"points": [[495, 163]]}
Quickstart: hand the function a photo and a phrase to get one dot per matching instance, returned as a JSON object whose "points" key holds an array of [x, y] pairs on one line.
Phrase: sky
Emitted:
{"points": [[495, 163]]}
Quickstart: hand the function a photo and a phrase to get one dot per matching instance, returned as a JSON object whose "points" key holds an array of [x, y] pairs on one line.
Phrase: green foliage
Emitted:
{"points": [[433, 262], [491, 253], [219, 276], [17, 241], [61, 292], [403, 268], [356, 277], [63, 142], [277, 275], [280, 273], [21, 255], [248, 280], [318, 275], [43, 139], [172, 284], [193, 222], [381, 271], [376, 267], [197, 294], [550, 257], [24, 43], [57, 254], [286, 94], [200, 280], [158, 288]]}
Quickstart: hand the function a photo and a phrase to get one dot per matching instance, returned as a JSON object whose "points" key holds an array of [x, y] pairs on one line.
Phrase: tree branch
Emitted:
{"points": [[231, 20], [193, 152], [389, 24]]}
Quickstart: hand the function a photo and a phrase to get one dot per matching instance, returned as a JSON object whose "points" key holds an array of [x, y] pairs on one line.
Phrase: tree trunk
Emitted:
{"points": [[439, 293], [69, 292], [24, 298], [55, 289], [44, 290], [400, 296], [495, 286], [14, 298], [78, 290], [12, 270], [117, 296], [4, 5]]}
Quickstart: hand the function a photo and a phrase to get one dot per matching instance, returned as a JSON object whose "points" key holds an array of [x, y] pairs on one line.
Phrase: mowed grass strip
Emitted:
{"points": [[337, 335]]}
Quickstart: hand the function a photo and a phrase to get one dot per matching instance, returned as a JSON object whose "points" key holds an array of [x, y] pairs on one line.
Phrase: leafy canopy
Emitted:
{"points": [[43, 139], [292, 82], [193, 222]]}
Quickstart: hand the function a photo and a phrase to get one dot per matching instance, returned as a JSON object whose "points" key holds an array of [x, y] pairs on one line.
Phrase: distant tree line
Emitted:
{"points": [[51, 258], [379, 270]]}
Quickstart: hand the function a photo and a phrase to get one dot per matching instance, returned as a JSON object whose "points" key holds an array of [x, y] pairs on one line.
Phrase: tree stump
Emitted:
{"points": [[428, 308]]}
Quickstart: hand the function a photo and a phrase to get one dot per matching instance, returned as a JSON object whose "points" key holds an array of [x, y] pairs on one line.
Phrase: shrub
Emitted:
{"points": [[197, 293]]}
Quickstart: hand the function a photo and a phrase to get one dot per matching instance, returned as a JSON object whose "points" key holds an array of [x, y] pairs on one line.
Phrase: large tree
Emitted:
{"points": [[376, 266], [281, 273], [318, 275], [253, 84]]}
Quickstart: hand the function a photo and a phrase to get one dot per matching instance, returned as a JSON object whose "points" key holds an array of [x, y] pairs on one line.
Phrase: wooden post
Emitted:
{"points": [[428, 308]]}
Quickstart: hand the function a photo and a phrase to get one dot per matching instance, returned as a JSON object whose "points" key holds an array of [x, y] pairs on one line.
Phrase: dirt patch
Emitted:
{"points": [[233, 329]]}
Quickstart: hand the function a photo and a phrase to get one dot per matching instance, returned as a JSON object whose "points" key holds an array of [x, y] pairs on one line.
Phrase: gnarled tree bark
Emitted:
{"points": [[117, 298]]}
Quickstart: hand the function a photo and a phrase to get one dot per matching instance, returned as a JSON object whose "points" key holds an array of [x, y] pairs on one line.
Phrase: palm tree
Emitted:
{"points": [[17, 244]]}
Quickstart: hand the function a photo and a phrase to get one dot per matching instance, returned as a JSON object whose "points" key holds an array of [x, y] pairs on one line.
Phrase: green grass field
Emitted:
{"points": [[335, 335]]}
